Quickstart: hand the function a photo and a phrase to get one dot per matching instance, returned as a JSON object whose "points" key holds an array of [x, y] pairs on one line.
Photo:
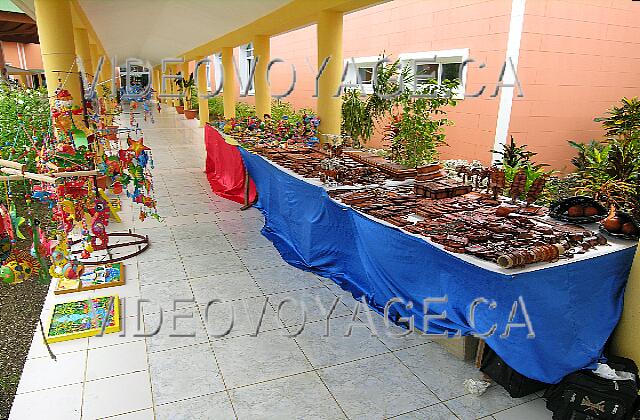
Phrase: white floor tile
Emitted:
{"points": [[63, 403], [136, 415], [116, 360], [117, 395], [44, 372]]}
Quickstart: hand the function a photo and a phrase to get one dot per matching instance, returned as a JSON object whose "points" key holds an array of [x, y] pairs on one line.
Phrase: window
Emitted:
{"points": [[246, 62], [360, 68], [366, 75], [437, 66], [208, 72], [217, 71]]}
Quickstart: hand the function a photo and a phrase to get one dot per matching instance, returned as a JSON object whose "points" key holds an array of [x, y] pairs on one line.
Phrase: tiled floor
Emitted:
{"points": [[204, 251]]}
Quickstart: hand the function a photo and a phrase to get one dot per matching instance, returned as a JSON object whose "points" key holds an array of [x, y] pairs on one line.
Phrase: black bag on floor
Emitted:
{"points": [[517, 385], [585, 395]]}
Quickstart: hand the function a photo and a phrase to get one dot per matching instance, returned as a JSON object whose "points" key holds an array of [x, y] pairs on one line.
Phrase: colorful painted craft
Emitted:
{"points": [[18, 267], [71, 169], [84, 318], [98, 277]]}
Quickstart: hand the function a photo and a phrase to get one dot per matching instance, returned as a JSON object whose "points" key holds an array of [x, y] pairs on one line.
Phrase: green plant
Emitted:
{"points": [[590, 154], [390, 86], [185, 88], [24, 120], [513, 155], [610, 170], [244, 110], [419, 129], [622, 119], [193, 99], [279, 109], [357, 120], [216, 108], [359, 113]]}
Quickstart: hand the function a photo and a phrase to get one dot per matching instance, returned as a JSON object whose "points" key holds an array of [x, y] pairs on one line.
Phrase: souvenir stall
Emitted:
{"points": [[78, 169], [464, 255]]}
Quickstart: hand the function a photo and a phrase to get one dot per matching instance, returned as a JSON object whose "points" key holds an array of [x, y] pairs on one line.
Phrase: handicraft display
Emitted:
{"points": [[98, 277], [78, 170], [84, 318]]}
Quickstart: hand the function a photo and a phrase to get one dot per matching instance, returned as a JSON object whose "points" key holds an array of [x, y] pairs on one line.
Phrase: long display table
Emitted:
{"points": [[544, 323]]}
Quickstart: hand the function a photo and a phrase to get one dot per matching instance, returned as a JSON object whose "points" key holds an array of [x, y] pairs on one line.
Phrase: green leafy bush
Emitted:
{"points": [[25, 120], [357, 121], [244, 110], [359, 113], [622, 119], [419, 129], [610, 170], [216, 108]]}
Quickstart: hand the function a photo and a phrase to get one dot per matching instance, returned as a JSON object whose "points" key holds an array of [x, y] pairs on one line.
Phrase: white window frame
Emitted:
{"points": [[208, 75], [217, 71], [439, 57], [246, 57], [360, 62]]}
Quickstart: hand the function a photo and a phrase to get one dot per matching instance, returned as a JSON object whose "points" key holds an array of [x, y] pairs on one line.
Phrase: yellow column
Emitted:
{"points": [[184, 70], [106, 70], [156, 82], [81, 38], [330, 45], [626, 338], [23, 79], [55, 30], [169, 86], [203, 104], [261, 50], [93, 50], [228, 94], [174, 87]]}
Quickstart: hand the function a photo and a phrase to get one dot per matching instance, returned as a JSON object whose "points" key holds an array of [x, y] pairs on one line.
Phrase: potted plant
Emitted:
{"points": [[180, 83], [360, 113], [191, 99], [186, 88], [418, 130], [610, 170]]}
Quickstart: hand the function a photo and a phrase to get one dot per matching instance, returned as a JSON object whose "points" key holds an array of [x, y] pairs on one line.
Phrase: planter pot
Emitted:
{"points": [[180, 109], [190, 113]]}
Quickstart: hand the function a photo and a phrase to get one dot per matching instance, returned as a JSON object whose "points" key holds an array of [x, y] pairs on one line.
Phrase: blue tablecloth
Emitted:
{"points": [[572, 309]]}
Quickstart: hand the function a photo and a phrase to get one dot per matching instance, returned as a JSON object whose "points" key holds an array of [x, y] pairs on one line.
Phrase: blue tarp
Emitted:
{"points": [[572, 309]]}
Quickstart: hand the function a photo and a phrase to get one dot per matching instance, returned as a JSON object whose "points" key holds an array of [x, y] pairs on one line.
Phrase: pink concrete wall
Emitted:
{"points": [[405, 26], [577, 59], [33, 56], [10, 50], [31, 51]]}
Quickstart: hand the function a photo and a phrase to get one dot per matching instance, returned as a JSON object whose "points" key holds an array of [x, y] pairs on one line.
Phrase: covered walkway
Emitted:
{"points": [[207, 249]]}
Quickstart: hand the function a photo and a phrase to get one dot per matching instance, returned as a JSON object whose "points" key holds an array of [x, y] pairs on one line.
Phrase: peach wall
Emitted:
{"points": [[405, 26], [577, 59], [31, 51], [33, 56], [10, 50]]}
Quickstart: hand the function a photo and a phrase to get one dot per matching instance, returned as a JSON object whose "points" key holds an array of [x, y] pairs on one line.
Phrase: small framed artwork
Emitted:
{"points": [[98, 277], [84, 318]]}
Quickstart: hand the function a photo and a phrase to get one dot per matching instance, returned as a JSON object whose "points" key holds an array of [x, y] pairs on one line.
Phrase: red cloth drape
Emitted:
{"points": [[225, 168]]}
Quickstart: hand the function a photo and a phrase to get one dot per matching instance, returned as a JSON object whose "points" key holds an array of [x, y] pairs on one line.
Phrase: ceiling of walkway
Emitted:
{"points": [[156, 29]]}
